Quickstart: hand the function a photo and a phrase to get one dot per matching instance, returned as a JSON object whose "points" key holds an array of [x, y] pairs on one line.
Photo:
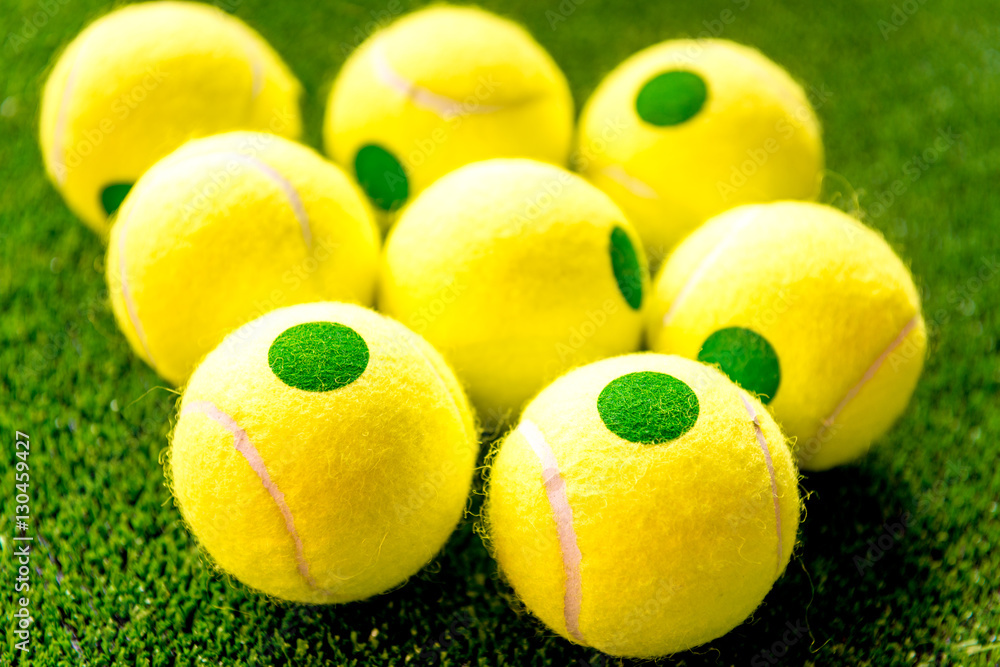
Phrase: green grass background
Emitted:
{"points": [[117, 579]]}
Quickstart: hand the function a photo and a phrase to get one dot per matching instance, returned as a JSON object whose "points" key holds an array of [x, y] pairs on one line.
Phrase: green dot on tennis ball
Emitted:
{"points": [[625, 264], [648, 407], [318, 356], [670, 98], [747, 358], [113, 195], [382, 177]]}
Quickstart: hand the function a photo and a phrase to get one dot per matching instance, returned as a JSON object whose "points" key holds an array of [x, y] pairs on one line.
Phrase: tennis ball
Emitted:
{"points": [[515, 270], [644, 505], [142, 80], [227, 228], [804, 306], [323, 453], [686, 129], [438, 89]]}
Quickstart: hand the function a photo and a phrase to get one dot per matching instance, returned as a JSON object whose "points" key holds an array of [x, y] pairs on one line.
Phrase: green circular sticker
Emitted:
{"points": [[382, 177], [648, 407], [625, 264], [747, 358], [670, 98], [318, 356], [113, 195]]}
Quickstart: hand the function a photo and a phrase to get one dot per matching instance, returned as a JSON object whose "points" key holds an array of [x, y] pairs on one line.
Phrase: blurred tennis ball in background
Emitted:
{"points": [[142, 80], [440, 88], [807, 308], [323, 453], [643, 505], [686, 129], [516, 270], [225, 229]]}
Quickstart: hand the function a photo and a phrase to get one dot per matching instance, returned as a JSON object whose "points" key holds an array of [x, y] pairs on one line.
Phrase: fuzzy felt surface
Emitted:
{"points": [[630, 271], [702, 126], [671, 97], [318, 356], [506, 267], [486, 90], [326, 493], [648, 407], [117, 579], [225, 229], [705, 520], [746, 357], [831, 299], [140, 81]]}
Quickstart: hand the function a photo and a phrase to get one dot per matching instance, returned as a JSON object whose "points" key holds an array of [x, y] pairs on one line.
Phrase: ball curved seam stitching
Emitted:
{"points": [[58, 159], [762, 441], [256, 66], [294, 199], [869, 374], [130, 305], [562, 512], [443, 106], [292, 195], [243, 444], [711, 258], [633, 184]]}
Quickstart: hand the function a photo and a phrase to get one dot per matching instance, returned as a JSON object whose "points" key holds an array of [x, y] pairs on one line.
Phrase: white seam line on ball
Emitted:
{"points": [[298, 208], [293, 196], [852, 393], [443, 106], [555, 489], [130, 305], [762, 441], [708, 261], [244, 446], [256, 68], [59, 165], [636, 186]]}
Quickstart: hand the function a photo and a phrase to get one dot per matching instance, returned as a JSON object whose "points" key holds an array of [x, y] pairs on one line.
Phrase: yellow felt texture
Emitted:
{"points": [[375, 474], [513, 100], [826, 292], [755, 139], [678, 541], [504, 266], [142, 80], [210, 238]]}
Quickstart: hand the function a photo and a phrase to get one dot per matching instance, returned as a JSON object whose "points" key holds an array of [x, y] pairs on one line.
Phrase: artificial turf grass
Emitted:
{"points": [[120, 580]]}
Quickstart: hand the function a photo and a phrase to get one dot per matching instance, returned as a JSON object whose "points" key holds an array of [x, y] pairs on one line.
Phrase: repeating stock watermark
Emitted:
{"points": [[120, 109], [713, 27], [913, 169], [784, 129], [21, 612], [790, 636], [379, 19], [900, 16], [894, 530], [32, 23]]}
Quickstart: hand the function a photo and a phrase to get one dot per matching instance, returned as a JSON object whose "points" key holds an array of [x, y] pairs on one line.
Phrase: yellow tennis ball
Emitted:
{"points": [[438, 89], [515, 270], [225, 229], [142, 80], [807, 308], [643, 505], [323, 453], [686, 129]]}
